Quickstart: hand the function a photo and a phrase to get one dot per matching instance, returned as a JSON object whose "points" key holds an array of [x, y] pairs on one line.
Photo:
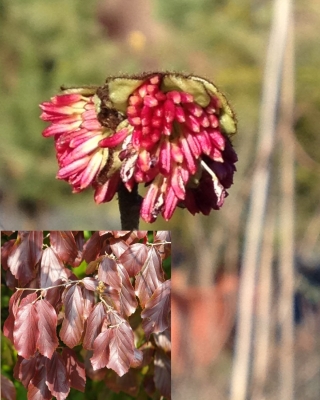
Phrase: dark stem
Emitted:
{"points": [[129, 206]]}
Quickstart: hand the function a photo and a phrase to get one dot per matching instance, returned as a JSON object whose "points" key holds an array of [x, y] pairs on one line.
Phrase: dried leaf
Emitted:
{"points": [[156, 314], [25, 254], [134, 258], [47, 341], [72, 325]]}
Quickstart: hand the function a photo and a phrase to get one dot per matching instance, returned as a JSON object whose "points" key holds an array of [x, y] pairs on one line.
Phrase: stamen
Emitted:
{"points": [[212, 174]]}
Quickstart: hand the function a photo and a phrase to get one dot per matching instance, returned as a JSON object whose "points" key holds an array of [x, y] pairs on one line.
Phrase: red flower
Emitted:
{"points": [[77, 133], [167, 131]]}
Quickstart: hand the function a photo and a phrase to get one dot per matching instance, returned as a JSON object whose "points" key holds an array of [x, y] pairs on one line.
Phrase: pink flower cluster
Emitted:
{"points": [[165, 139]]}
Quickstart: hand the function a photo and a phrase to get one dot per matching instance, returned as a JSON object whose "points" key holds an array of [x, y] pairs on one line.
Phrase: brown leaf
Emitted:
{"points": [[25, 254], [72, 325], [47, 341], [157, 310]]}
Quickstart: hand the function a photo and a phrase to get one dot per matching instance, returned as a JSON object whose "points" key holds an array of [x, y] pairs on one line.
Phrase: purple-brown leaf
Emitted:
{"points": [[101, 351], [57, 380], [128, 383], [26, 332], [5, 251], [88, 302], [90, 283], [8, 391], [9, 322], [163, 237], [94, 324], [52, 268], [25, 369], [38, 389], [121, 348], [150, 277], [134, 258], [118, 247], [108, 273], [128, 301], [75, 369], [156, 314], [72, 325], [24, 255], [162, 374], [47, 341], [64, 245], [92, 248]]}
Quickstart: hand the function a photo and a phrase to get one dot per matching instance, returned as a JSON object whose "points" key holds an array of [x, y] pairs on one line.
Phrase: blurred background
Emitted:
{"points": [[246, 298]]}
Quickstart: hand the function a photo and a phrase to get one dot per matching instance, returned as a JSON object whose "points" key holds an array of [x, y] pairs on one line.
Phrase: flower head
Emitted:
{"points": [[168, 131]]}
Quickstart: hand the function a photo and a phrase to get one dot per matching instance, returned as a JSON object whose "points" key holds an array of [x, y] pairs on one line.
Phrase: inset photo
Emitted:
{"points": [[85, 315]]}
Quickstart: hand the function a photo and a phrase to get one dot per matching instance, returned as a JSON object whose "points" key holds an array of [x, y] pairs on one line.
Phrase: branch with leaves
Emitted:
{"points": [[119, 313]]}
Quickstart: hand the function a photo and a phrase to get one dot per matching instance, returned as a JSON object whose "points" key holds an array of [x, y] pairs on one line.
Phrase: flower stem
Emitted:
{"points": [[129, 206]]}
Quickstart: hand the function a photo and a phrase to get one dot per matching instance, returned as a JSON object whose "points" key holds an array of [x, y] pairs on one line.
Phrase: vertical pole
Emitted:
{"points": [[286, 226], [258, 200]]}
